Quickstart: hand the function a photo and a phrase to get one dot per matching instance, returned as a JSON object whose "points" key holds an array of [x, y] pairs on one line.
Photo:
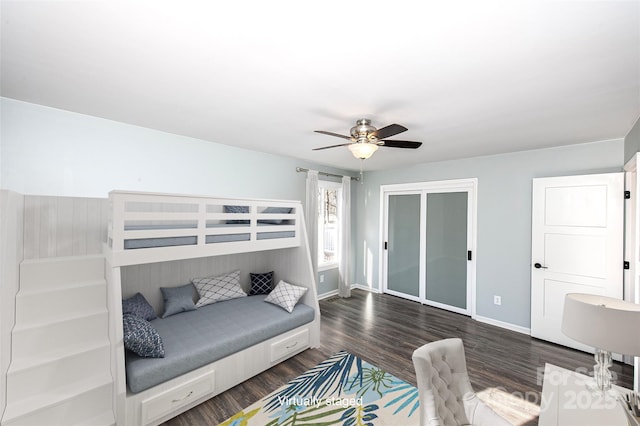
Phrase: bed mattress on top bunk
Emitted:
{"points": [[196, 338], [192, 240]]}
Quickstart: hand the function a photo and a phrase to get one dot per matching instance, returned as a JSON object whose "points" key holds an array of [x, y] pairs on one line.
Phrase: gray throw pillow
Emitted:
{"points": [[275, 210], [177, 299], [141, 337], [138, 305]]}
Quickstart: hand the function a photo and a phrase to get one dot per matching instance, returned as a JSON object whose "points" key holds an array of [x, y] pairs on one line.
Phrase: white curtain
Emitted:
{"points": [[344, 284], [311, 217]]}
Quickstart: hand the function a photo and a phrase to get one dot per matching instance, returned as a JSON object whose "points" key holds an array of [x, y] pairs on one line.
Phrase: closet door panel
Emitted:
{"points": [[403, 244], [446, 253]]}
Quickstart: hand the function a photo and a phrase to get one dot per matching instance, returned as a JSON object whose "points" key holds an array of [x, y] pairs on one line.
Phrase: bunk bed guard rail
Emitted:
{"points": [[152, 227]]}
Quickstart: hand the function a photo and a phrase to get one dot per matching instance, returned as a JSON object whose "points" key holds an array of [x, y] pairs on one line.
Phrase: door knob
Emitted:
{"points": [[539, 266]]}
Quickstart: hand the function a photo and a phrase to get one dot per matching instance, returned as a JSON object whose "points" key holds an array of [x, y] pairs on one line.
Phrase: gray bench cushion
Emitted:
{"points": [[196, 338]]}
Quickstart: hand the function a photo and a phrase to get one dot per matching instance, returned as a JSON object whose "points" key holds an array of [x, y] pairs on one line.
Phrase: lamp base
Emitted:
{"points": [[601, 373]]}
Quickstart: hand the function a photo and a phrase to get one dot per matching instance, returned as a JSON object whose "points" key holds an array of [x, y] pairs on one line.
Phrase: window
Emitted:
{"points": [[329, 224]]}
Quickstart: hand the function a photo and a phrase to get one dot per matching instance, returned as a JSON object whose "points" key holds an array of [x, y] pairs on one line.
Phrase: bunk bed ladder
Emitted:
{"points": [[60, 371]]}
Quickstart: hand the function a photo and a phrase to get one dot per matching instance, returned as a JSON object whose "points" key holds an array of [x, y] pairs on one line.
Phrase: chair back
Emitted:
{"points": [[441, 372]]}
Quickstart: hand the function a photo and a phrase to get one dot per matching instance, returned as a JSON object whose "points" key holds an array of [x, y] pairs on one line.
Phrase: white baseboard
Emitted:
{"points": [[328, 294], [353, 287], [365, 288], [508, 326], [486, 320]]}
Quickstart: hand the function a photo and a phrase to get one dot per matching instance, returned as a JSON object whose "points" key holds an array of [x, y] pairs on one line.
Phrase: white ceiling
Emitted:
{"points": [[466, 78]]}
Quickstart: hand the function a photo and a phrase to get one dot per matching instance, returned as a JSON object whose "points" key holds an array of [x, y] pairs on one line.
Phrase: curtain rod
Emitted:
{"points": [[300, 169]]}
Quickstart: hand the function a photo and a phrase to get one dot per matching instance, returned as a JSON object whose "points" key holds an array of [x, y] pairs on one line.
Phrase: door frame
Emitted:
{"points": [[632, 230], [631, 277], [469, 185]]}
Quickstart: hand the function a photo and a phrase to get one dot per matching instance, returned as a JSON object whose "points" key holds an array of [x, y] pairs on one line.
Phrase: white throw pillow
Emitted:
{"points": [[217, 289], [286, 295]]}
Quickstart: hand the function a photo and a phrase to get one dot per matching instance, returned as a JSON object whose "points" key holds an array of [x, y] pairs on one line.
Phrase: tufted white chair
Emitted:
{"points": [[446, 396]]}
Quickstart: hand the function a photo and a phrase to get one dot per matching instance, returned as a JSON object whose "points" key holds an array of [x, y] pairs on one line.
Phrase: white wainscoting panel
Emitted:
{"points": [[148, 278], [64, 226]]}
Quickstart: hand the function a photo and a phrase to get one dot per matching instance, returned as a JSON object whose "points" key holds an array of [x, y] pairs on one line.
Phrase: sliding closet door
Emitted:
{"points": [[446, 253], [403, 245], [428, 243]]}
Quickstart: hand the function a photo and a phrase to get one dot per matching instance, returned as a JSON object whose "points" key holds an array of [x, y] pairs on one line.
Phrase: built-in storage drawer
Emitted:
{"points": [[289, 345], [160, 405]]}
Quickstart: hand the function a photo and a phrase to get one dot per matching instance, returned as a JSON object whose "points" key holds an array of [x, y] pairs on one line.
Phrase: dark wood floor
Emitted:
{"points": [[384, 330]]}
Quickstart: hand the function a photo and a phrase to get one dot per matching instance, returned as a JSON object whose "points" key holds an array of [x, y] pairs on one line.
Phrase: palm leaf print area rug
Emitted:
{"points": [[343, 390]]}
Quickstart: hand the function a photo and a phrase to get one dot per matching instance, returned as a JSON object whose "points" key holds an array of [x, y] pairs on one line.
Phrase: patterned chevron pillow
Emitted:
{"points": [[138, 305], [286, 295], [217, 289], [261, 283], [237, 209], [141, 337]]}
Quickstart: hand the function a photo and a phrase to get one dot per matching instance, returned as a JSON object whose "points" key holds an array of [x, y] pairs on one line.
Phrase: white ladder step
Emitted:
{"points": [[53, 355], [71, 331], [70, 405], [60, 369], [43, 273], [46, 377], [54, 304]]}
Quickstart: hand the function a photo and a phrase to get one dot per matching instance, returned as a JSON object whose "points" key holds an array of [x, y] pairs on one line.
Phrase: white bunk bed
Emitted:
{"points": [[163, 240]]}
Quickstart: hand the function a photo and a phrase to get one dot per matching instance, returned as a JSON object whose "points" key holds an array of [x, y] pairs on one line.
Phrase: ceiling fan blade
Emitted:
{"points": [[332, 134], [388, 131], [332, 146], [402, 144]]}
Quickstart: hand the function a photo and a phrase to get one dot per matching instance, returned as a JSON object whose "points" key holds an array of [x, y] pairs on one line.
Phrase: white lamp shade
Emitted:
{"points": [[363, 150], [602, 322]]}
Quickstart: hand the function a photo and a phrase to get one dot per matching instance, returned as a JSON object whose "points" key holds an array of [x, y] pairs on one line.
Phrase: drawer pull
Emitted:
{"points": [[183, 398], [292, 346]]}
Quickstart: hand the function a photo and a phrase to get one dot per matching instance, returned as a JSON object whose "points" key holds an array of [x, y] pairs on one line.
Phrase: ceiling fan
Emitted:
{"points": [[365, 139]]}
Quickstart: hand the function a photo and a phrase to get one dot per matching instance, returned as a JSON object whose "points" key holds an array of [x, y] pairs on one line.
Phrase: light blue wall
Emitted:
{"points": [[504, 216], [47, 151], [329, 281], [632, 142]]}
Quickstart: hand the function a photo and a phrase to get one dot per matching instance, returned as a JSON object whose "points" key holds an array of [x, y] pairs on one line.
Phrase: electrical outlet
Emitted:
{"points": [[321, 278], [497, 300]]}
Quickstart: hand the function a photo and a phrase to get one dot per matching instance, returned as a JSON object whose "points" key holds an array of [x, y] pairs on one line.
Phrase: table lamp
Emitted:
{"points": [[607, 324]]}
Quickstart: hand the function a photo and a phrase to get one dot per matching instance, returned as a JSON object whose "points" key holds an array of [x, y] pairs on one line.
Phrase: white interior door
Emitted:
{"points": [[577, 246]]}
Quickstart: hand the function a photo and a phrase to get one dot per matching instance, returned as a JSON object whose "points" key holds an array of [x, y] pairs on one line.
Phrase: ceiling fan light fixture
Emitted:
{"points": [[365, 139], [362, 129], [362, 150]]}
